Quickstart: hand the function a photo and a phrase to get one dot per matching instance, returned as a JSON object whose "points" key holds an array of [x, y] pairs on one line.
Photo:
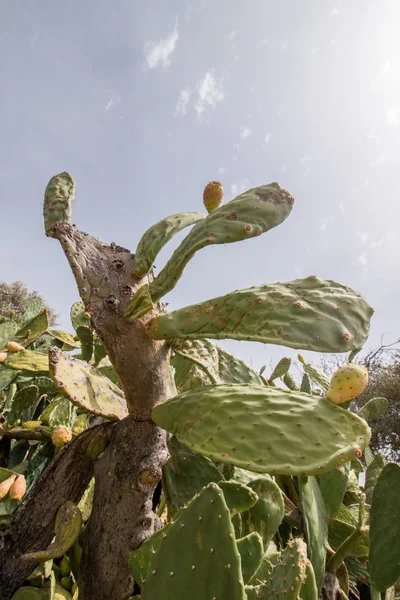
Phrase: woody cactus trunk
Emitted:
{"points": [[235, 418]]}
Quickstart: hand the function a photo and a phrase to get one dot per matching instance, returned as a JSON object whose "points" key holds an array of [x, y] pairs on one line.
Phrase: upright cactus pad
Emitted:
{"points": [[281, 369], [264, 429], [384, 533], [316, 525], [310, 314], [251, 551], [67, 529], [309, 590], [315, 374], [333, 486], [208, 564], [86, 387], [60, 192], [373, 409], [155, 238], [266, 515], [8, 330]]}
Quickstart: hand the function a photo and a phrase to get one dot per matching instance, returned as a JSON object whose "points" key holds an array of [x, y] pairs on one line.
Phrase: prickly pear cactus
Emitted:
{"points": [[57, 208], [347, 383]]}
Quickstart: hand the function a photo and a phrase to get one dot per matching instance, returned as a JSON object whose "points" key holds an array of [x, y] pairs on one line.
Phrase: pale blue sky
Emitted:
{"points": [[145, 102]]}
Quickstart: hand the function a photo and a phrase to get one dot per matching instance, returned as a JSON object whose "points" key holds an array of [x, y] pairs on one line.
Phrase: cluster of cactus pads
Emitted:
{"points": [[271, 490]]}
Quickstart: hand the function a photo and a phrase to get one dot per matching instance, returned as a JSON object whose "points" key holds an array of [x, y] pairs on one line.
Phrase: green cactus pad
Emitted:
{"points": [[139, 560], [30, 593], [78, 316], [27, 360], [64, 337], [86, 387], [155, 238], [333, 486], [34, 308], [251, 552], [266, 515], [186, 473], [315, 524], [270, 559], [281, 368], [33, 329], [24, 399], [287, 577], [85, 335], [248, 215], [7, 376], [310, 314], [384, 534], [67, 529], [264, 429], [289, 381], [305, 386], [315, 374], [219, 365], [372, 473], [309, 589], [238, 497], [340, 529], [208, 564], [373, 409], [8, 330], [60, 192]]}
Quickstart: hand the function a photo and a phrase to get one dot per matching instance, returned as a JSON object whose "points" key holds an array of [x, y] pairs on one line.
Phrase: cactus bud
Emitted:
{"points": [[31, 424], [14, 347], [6, 485], [12, 315], [61, 436], [87, 315], [3, 356], [18, 489], [301, 358], [212, 195], [348, 382]]}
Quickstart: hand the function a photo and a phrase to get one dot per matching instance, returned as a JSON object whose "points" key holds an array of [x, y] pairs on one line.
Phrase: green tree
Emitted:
{"points": [[16, 297]]}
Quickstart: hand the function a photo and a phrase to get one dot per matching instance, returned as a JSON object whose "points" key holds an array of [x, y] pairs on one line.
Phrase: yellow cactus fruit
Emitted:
{"points": [[31, 424], [61, 436], [6, 485], [14, 347], [212, 195], [3, 356], [347, 383], [18, 489]]}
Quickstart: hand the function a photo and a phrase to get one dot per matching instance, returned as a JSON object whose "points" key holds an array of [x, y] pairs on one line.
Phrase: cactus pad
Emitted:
{"points": [[251, 552], [264, 429], [155, 238], [384, 533], [315, 374], [309, 589], [60, 192], [27, 360], [310, 314], [373, 409], [333, 486], [8, 330], [79, 316], [209, 564], [64, 336], [86, 387], [266, 515]]}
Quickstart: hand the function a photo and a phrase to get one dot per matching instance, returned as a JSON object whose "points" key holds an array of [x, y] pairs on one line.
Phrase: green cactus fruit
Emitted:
{"points": [[65, 567], [210, 564], [212, 195], [264, 429], [31, 424], [86, 387], [315, 524], [5, 486], [61, 436], [18, 489], [252, 213], [384, 534], [155, 238], [251, 552], [347, 383], [373, 409], [66, 583], [297, 314], [281, 369], [67, 529], [60, 192], [266, 515]]}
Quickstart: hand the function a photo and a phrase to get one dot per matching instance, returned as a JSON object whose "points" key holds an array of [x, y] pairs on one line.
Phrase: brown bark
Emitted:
{"points": [[32, 527]]}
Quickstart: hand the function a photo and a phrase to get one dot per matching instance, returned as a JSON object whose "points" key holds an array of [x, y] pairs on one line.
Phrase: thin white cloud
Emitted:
{"points": [[239, 187], [341, 207], [306, 159], [222, 170], [378, 161], [181, 105], [323, 225], [112, 102], [360, 261], [210, 93], [392, 117], [233, 34], [386, 68], [267, 138], [244, 132], [236, 147], [334, 12], [159, 53], [363, 236]]}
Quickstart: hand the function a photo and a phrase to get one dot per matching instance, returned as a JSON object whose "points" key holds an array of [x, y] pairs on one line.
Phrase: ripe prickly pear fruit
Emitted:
{"points": [[18, 489], [212, 195], [6, 485], [61, 436], [348, 382], [65, 567], [3, 356], [31, 424], [14, 347]]}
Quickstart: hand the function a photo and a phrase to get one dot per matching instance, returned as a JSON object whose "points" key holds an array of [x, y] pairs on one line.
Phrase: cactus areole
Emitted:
{"points": [[143, 372]]}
